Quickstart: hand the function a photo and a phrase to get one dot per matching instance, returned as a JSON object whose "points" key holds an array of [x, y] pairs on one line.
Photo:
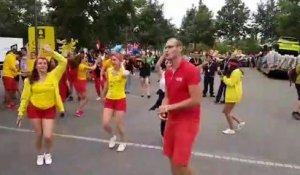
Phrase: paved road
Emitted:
{"points": [[268, 145]]}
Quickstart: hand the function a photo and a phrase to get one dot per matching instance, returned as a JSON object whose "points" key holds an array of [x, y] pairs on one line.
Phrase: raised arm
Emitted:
{"points": [[62, 62]]}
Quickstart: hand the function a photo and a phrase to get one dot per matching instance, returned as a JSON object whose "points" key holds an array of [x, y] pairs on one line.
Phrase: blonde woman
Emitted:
{"points": [[115, 100]]}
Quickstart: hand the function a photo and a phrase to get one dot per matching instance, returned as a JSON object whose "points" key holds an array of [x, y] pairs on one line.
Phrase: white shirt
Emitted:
{"points": [[162, 82]]}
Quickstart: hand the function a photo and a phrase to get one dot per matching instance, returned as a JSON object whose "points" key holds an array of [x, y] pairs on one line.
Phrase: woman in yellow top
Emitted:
{"points": [[233, 94], [115, 100], [40, 98], [80, 84], [9, 73]]}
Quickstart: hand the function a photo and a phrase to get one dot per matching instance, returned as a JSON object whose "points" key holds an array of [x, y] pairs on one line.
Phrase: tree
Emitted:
{"points": [[16, 16], [265, 18], [231, 20], [154, 28], [197, 26], [288, 18]]}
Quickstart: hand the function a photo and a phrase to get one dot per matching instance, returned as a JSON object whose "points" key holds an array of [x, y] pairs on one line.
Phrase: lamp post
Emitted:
{"points": [[35, 27]]}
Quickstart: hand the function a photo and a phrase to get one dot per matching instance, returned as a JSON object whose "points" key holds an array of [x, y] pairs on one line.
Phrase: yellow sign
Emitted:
{"points": [[45, 36]]}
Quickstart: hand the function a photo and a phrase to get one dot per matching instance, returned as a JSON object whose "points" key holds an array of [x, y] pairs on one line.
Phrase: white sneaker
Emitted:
{"points": [[48, 159], [99, 98], [121, 147], [40, 160], [228, 131], [112, 142], [240, 125]]}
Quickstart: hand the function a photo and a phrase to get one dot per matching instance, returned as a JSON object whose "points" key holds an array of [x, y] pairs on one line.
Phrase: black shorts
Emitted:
{"points": [[298, 90]]}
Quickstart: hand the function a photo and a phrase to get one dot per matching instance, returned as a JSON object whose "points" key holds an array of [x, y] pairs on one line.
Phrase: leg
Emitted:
{"points": [[205, 85], [83, 101], [162, 127], [147, 86], [97, 86], [220, 91], [37, 126], [211, 86], [236, 119], [120, 124], [107, 115], [142, 81], [228, 107], [297, 106], [48, 127]]}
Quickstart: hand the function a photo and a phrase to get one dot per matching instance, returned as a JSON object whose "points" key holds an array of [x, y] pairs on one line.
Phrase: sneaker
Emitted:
{"points": [[48, 159], [212, 95], [70, 98], [40, 160], [228, 131], [121, 147], [79, 113], [112, 142], [99, 98], [240, 125], [11, 106]]}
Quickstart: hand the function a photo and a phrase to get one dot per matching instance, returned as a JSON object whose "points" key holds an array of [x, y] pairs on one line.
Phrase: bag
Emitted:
{"points": [[292, 75]]}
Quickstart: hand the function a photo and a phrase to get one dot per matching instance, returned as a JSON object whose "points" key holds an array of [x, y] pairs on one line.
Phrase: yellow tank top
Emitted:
{"points": [[116, 85]]}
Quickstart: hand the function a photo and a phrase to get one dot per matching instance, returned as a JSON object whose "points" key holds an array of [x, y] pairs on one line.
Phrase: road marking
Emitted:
{"points": [[197, 154]]}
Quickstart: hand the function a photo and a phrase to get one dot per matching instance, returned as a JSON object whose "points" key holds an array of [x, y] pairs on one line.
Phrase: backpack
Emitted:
{"points": [[292, 75]]}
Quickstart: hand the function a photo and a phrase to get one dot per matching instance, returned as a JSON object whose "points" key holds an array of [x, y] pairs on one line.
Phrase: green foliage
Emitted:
{"points": [[223, 47], [265, 18], [231, 20], [288, 18], [248, 46], [197, 26], [16, 16]]}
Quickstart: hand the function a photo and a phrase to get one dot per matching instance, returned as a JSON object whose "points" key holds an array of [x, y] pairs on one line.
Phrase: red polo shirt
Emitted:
{"points": [[177, 84]]}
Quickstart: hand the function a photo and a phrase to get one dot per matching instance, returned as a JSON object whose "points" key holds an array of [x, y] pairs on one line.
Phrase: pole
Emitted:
{"points": [[35, 28]]}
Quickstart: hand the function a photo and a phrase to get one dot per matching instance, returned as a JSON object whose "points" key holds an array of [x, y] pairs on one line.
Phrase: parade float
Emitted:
{"points": [[283, 57]]}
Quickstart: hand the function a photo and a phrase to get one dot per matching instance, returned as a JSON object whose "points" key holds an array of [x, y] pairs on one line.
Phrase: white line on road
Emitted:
{"points": [[197, 154]]}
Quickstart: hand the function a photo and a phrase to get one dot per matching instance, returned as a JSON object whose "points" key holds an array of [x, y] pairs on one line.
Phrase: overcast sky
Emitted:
{"points": [[176, 11]]}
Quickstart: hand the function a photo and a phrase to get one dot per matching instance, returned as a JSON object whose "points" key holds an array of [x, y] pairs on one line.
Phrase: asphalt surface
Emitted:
{"points": [[269, 144]]}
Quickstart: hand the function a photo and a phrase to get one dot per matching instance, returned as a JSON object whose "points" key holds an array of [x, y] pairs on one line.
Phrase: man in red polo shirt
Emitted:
{"points": [[182, 103]]}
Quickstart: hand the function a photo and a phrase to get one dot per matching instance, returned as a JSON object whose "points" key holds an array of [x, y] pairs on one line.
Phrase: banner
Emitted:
{"points": [[45, 36]]}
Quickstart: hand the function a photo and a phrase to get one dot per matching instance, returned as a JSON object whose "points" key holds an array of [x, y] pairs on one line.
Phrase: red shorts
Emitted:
{"points": [[36, 113], [10, 84], [179, 137], [80, 86], [117, 105]]}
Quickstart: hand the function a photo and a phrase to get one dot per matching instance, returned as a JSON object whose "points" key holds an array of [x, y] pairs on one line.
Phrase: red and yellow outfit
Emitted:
{"points": [[42, 98], [182, 125], [115, 96], [9, 72], [81, 81]]}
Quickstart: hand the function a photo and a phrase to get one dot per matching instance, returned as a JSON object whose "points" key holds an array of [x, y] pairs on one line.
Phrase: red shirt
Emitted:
{"points": [[177, 87]]}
